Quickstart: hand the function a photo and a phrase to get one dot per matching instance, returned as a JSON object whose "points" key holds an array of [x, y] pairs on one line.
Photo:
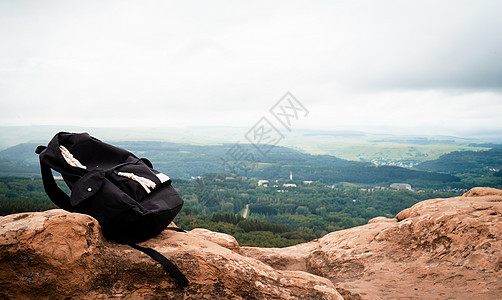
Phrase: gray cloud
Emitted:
{"points": [[226, 63]]}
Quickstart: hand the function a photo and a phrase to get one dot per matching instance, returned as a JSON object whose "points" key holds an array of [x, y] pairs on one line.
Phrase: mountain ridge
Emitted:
{"points": [[185, 161]]}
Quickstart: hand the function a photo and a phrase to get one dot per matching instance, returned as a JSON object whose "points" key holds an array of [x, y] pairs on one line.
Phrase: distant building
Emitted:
{"points": [[401, 186], [289, 185], [263, 183], [307, 182]]}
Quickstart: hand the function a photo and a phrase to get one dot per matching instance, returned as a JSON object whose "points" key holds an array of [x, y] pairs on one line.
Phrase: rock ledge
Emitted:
{"points": [[439, 248]]}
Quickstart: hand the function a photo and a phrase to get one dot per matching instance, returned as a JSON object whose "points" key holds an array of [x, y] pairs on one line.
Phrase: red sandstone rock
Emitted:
{"points": [[437, 249], [56, 255]]}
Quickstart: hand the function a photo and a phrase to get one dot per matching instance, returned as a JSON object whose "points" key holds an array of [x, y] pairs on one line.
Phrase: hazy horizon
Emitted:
{"points": [[13, 135]]}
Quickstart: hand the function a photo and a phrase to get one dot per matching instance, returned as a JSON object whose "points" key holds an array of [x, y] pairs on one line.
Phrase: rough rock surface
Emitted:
{"points": [[58, 255], [437, 249]]}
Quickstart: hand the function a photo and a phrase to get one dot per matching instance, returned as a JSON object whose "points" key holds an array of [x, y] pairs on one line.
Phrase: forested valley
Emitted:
{"points": [[257, 201], [278, 216]]}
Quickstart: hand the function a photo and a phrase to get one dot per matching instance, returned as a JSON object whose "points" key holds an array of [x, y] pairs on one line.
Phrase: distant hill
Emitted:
{"points": [[185, 161], [349, 145], [19, 160], [465, 162], [22, 153], [13, 168]]}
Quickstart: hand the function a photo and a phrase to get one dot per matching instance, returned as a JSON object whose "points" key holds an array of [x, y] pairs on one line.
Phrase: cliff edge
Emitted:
{"points": [[437, 249]]}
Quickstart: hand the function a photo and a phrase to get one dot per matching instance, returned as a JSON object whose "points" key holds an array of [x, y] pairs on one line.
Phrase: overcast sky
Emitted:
{"points": [[410, 67]]}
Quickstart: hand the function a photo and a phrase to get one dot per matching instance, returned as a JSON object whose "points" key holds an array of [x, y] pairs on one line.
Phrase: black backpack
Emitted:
{"points": [[131, 201]]}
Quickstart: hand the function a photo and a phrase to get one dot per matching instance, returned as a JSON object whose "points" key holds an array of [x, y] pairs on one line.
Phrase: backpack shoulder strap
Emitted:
{"points": [[57, 196], [174, 229], [166, 263]]}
